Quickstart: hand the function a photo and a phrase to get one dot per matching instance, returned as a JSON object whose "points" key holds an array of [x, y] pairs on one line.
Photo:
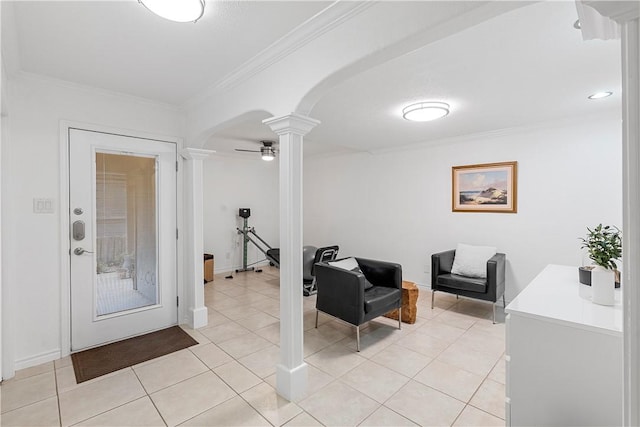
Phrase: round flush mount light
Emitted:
{"points": [[176, 10], [425, 111], [600, 95]]}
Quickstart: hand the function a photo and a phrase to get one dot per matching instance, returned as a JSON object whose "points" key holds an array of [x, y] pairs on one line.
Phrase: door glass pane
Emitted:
{"points": [[126, 241]]}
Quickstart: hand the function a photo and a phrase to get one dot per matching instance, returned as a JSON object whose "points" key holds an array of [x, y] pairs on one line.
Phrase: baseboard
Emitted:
{"points": [[37, 359], [199, 317], [292, 383]]}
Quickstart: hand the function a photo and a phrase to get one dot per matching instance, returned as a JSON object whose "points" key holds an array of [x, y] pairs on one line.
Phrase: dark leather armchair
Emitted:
{"points": [[489, 289], [342, 293]]}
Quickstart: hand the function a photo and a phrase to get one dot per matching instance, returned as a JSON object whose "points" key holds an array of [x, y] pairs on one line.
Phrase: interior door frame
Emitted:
{"points": [[65, 246]]}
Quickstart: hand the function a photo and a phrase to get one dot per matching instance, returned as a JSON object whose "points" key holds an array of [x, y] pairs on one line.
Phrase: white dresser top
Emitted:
{"points": [[554, 296]]}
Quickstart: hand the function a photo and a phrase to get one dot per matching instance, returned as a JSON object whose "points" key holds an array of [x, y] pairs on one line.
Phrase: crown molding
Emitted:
{"points": [[322, 22], [94, 90], [619, 11], [612, 114]]}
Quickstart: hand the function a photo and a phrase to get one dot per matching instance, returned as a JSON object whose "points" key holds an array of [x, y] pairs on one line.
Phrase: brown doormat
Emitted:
{"points": [[92, 363]]}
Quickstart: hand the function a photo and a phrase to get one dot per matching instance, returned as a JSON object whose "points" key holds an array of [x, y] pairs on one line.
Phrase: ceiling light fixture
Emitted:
{"points": [[176, 10], [425, 111], [267, 153], [600, 95], [577, 25]]}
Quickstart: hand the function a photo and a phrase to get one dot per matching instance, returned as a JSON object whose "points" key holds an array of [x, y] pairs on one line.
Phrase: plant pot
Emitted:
{"points": [[603, 286], [584, 275]]}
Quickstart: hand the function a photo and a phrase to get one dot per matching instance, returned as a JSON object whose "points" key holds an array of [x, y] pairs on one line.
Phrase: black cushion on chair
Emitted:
{"points": [[377, 297], [463, 283]]}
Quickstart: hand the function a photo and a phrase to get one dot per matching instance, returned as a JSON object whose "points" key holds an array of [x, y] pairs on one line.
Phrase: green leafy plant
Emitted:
{"points": [[604, 244]]}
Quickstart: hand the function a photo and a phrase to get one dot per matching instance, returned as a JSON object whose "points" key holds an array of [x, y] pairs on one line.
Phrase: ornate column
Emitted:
{"points": [[193, 236], [291, 372], [627, 14]]}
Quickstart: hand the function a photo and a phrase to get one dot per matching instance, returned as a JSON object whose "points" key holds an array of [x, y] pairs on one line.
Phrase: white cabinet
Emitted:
{"points": [[564, 355]]}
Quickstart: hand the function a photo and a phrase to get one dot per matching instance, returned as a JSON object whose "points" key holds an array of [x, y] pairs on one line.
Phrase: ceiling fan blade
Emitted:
{"points": [[247, 151]]}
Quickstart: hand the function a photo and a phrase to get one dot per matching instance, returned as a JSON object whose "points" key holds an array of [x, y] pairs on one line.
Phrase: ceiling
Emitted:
{"points": [[521, 68], [524, 67], [121, 46]]}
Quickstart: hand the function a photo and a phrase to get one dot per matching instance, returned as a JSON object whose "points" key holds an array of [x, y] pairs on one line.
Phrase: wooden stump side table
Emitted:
{"points": [[409, 300]]}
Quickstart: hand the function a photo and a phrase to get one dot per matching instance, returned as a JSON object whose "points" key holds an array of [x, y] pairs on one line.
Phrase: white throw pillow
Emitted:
{"points": [[346, 264], [471, 261], [352, 265]]}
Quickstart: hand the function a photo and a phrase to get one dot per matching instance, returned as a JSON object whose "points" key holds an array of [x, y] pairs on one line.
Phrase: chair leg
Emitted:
{"points": [[316, 319], [358, 338], [494, 313], [457, 296], [433, 295], [400, 317], [504, 303]]}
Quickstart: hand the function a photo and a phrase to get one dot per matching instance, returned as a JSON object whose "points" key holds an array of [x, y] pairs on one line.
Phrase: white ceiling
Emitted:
{"points": [[121, 46], [521, 68]]}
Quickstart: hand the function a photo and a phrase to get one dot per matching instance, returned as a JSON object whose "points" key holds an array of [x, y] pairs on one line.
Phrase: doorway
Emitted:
{"points": [[123, 243]]}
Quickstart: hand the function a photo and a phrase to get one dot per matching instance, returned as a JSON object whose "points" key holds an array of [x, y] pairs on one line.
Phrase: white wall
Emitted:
{"points": [[397, 206], [229, 184], [4, 111], [30, 169]]}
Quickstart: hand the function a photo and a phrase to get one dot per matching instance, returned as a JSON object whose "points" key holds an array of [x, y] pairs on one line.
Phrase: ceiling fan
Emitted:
{"points": [[267, 151]]}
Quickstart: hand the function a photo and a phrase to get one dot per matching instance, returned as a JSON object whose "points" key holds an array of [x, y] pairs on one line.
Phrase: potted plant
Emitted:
{"points": [[604, 245]]}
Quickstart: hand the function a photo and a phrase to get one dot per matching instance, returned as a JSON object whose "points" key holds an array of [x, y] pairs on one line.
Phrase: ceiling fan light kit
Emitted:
{"points": [[425, 111], [176, 10], [267, 153]]}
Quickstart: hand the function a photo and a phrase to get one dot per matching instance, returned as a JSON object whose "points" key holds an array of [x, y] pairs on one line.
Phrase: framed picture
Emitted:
{"points": [[490, 187]]}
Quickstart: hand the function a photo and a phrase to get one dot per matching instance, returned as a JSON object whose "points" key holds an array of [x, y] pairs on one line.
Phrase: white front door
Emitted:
{"points": [[122, 221]]}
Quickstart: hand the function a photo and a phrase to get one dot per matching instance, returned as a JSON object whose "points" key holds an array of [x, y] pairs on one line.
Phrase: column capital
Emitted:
{"points": [[619, 11], [195, 153], [291, 123]]}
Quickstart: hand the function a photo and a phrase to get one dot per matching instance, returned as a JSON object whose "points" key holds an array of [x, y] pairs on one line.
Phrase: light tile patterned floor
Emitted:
{"points": [[446, 369]]}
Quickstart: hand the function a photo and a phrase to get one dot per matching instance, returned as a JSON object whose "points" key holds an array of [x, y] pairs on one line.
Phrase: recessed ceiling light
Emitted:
{"points": [[176, 10], [425, 111], [600, 95]]}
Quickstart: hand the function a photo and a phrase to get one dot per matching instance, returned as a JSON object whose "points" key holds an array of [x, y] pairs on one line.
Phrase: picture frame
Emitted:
{"points": [[488, 187]]}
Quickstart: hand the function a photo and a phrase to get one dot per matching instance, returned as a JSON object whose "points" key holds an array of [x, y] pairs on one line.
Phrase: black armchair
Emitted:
{"points": [[342, 293], [489, 289]]}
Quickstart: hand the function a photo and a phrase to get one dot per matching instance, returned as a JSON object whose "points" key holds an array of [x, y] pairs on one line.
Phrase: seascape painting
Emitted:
{"points": [[488, 187]]}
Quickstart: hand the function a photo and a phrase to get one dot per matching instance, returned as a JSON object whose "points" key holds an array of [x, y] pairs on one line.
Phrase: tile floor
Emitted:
{"points": [[116, 294], [446, 369]]}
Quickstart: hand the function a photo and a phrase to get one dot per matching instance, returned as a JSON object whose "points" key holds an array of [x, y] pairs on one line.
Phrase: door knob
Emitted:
{"points": [[80, 251]]}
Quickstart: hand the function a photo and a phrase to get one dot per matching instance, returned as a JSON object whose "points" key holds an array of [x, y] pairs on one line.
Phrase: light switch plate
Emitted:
{"points": [[43, 206]]}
